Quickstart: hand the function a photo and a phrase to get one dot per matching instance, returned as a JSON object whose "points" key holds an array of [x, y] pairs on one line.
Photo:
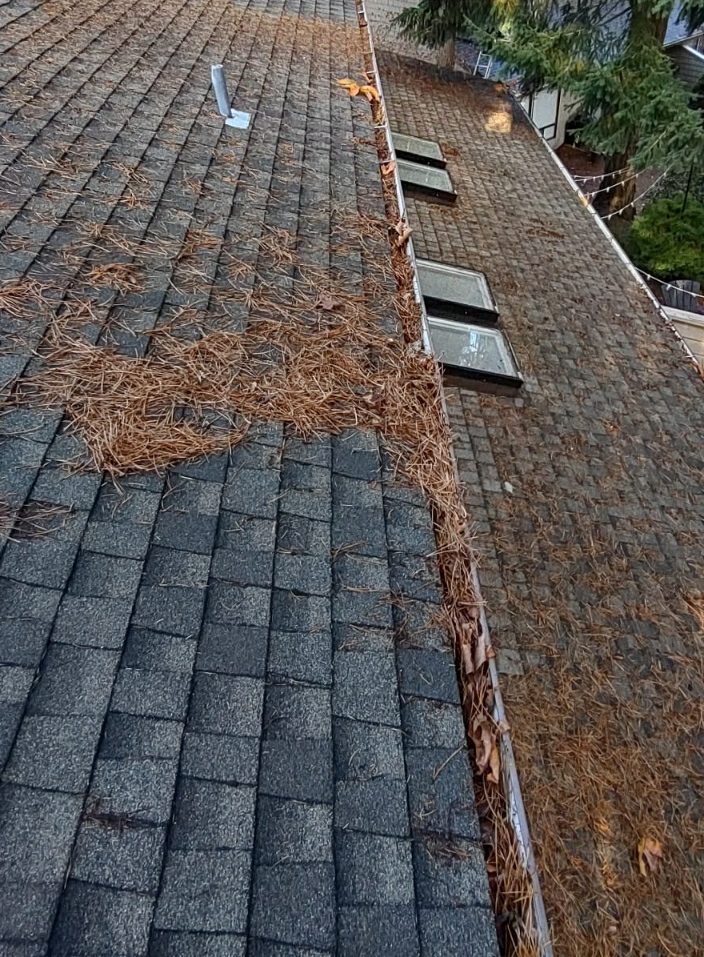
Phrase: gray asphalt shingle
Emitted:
{"points": [[295, 903], [90, 917], [202, 744], [54, 752], [204, 891]]}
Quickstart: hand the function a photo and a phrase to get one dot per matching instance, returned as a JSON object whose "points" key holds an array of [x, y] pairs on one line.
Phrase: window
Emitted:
{"points": [[451, 292], [418, 151], [462, 319], [474, 352], [426, 180]]}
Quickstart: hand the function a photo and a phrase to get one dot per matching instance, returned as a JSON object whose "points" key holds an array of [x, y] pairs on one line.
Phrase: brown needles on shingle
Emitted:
{"points": [[320, 351]]}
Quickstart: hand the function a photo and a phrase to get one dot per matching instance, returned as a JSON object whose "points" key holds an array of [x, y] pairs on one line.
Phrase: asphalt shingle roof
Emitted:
{"points": [[586, 496], [228, 724]]}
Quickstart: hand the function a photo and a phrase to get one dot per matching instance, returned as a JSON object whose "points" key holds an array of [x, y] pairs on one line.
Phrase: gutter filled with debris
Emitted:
{"points": [[515, 886]]}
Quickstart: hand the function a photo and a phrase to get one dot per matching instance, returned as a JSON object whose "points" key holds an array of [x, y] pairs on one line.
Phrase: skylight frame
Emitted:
{"points": [[418, 150], [507, 380], [459, 308], [417, 178]]}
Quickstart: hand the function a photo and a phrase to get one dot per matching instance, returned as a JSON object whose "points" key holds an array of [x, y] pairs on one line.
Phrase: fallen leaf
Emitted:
{"points": [[403, 236], [479, 654], [650, 855], [371, 93], [351, 87], [483, 743], [387, 168], [494, 763], [327, 304]]}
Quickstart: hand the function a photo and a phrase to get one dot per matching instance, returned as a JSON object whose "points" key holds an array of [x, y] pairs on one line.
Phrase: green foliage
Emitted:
{"points": [[434, 22], [667, 242], [634, 106], [675, 183]]}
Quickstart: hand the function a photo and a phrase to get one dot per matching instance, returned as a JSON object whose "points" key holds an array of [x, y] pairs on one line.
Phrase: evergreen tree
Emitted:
{"points": [[607, 53]]}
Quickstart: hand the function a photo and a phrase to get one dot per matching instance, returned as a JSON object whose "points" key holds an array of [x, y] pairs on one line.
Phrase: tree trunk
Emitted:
{"points": [[644, 26], [617, 189], [446, 55]]}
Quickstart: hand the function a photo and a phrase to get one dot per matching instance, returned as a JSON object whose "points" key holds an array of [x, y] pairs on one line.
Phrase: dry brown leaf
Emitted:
{"points": [[387, 168], [371, 93], [480, 653], [349, 85], [403, 237], [650, 853], [494, 763], [467, 659], [355, 89], [327, 304], [483, 743]]}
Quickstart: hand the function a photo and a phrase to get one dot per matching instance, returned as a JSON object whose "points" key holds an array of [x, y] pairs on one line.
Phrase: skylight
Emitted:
{"points": [[474, 352], [418, 151], [453, 292], [426, 180]]}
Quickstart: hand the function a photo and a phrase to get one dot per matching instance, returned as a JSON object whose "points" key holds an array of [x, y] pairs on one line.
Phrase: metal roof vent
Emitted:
{"points": [[235, 118]]}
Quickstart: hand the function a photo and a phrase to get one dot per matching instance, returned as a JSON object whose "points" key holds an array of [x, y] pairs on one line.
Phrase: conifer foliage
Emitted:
{"points": [[608, 54]]}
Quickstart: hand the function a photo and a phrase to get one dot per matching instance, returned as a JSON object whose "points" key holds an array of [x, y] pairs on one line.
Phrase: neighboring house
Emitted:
{"points": [[551, 111], [687, 53]]}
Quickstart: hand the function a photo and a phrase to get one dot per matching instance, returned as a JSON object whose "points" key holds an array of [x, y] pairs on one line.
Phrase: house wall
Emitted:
{"points": [[551, 108], [689, 63], [690, 326], [568, 107]]}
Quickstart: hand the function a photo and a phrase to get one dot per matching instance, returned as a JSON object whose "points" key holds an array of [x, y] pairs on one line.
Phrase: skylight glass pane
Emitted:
{"points": [[420, 151], [462, 287], [473, 348], [426, 178]]}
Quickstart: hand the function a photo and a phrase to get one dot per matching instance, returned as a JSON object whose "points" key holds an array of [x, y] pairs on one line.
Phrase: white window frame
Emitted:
{"points": [[512, 377], [487, 306], [445, 193]]}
